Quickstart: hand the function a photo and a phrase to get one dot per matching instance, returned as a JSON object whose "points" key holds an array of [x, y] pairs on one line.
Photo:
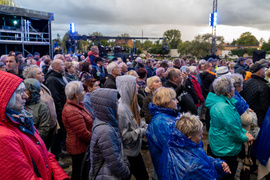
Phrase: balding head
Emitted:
{"points": [[58, 65], [174, 76]]}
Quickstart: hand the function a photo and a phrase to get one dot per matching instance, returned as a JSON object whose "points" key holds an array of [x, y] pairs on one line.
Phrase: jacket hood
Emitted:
{"points": [[104, 105], [213, 99], [53, 73], [33, 86], [203, 74], [8, 84], [126, 87], [178, 139], [154, 110]]}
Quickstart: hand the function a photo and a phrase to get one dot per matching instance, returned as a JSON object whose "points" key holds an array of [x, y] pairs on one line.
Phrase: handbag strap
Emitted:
{"points": [[35, 168]]}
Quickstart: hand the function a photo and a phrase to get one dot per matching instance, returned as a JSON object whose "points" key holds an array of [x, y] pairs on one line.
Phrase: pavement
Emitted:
{"points": [[148, 162]]}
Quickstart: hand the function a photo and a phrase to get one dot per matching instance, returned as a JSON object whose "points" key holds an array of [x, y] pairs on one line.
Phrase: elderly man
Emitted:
{"points": [[256, 92], [124, 68], [93, 55], [12, 65], [67, 58], [56, 83], [2, 66], [177, 82], [113, 71], [149, 68]]}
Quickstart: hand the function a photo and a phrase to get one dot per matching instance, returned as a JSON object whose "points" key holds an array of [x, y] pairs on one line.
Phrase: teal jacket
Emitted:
{"points": [[226, 134]]}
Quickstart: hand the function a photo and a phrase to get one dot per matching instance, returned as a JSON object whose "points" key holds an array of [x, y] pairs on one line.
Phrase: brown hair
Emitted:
{"points": [[135, 109], [89, 82]]}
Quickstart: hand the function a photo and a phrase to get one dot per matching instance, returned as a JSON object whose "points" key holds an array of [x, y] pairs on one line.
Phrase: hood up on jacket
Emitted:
{"points": [[104, 105], [34, 87], [154, 110], [8, 84], [126, 86]]}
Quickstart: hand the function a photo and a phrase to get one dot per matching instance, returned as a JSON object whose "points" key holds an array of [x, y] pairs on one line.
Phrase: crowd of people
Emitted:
{"points": [[110, 109]]}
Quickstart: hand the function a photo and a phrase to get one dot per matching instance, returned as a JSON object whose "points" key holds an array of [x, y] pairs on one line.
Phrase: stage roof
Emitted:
{"points": [[16, 11]]}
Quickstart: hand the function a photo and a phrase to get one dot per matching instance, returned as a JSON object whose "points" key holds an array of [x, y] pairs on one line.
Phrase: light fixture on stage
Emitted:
{"points": [[72, 28]]}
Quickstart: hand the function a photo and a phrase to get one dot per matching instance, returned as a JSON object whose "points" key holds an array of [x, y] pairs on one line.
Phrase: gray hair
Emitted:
{"points": [[192, 69], [30, 71], [72, 88], [12, 100], [238, 79], [111, 67], [223, 85], [189, 124]]}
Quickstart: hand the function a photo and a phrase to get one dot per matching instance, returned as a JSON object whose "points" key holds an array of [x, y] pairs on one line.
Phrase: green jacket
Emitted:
{"points": [[226, 134]]}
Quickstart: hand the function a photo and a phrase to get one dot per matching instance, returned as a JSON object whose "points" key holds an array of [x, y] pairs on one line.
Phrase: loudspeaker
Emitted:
{"points": [[258, 55]]}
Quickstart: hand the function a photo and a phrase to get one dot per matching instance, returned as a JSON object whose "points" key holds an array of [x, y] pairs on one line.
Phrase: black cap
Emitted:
{"points": [[255, 68]]}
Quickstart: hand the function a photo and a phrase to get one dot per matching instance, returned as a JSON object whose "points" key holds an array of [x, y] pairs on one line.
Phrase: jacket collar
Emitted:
{"points": [[258, 77]]}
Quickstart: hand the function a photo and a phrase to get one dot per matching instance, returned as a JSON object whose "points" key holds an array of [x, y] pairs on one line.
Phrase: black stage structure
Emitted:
{"points": [[25, 30]]}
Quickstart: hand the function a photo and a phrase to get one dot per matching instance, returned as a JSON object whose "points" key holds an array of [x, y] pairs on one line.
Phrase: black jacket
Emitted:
{"points": [[207, 80], [257, 94], [147, 115], [110, 82], [185, 99], [56, 84]]}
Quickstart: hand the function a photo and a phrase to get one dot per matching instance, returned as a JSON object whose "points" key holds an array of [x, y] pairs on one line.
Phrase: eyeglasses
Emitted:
{"points": [[21, 91]]}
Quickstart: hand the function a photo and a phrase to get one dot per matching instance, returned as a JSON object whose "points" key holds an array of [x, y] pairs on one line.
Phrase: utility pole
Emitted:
{"points": [[213, 23]]}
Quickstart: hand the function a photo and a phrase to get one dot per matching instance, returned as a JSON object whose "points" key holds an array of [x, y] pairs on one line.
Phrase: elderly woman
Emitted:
{"points": [[39, 109], [70, 72], [89, 84], [153, 83], [226, 134], [46, 97], [107, 156], [160, 72], [23, 154], [247, 115], [78, 123], [164, 111], [184, 158]]}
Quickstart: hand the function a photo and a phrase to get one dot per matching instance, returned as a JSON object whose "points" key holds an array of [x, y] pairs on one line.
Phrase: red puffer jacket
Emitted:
{"points": [[18, 148], [78, 123]]}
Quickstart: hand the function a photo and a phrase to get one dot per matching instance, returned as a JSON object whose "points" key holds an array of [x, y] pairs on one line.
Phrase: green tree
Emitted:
{"points": [[247, 39], [9, 3], [104, 42], [265, 46], [124, 35], [173, 37], [184, 48], [147, 44], [138, 44]]}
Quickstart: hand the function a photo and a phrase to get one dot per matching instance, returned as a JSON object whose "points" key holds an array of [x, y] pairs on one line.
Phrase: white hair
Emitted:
{"points": [[111, 67], [223, 85], [72, 88]]}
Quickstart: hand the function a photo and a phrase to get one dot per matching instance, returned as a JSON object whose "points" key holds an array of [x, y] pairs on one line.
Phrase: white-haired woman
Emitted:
{"points": [[226, 134], [46, 97], [184, 158], [153, 83], [78, 123]]}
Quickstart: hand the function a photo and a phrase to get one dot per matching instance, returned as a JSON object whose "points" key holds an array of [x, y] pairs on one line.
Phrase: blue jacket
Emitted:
{"points": [[262, 143], [241, 105], [181, 158], [158, 131]]}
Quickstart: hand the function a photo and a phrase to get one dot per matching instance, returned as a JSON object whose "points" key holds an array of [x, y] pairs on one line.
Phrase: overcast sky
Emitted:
{"points": [[154, 17]]}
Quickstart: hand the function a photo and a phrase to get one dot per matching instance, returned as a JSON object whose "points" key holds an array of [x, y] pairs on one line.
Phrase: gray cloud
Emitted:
{"points": [[113, 17]]}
